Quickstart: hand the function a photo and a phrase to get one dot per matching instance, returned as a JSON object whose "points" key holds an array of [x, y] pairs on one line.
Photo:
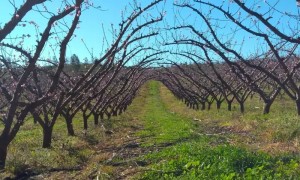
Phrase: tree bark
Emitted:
{"points": [[101, 115], [96, 118], [47, 136], [70, 126], [115, 112], [219, 104], [197, 106], [242, 107], [85, 122], [229, 105], [208, 105], [298, 106], [3, 153], [267, 107], [202, 106]]}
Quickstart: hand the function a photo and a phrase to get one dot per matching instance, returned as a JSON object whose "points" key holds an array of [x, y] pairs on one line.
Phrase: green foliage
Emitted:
{"points": [[75, 62], [197, 160]]}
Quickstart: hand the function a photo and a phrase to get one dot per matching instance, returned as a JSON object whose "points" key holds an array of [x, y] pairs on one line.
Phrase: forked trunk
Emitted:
{"points": [[267, 107]]}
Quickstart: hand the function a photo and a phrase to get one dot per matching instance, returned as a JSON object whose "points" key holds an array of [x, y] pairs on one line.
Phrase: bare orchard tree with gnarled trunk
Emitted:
{"points": [[24, 69], [75, 89]]}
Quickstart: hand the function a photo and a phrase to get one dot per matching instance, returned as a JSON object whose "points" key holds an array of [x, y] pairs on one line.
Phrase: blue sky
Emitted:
{"points": [[93, 20], [93, 23]]}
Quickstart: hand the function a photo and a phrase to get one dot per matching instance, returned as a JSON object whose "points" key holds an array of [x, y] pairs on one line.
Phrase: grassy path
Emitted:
{"points": [[161, 125]]}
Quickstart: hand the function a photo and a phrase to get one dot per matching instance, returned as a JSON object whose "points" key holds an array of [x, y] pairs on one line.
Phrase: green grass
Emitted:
{"points": [[161, 125], [197, 154], [26, 150], [281, 126], [196, 159], [25, 153]]}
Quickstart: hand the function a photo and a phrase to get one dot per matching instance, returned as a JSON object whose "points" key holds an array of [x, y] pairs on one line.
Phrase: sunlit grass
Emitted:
{"points": [[281, 125], [217, 146], [162, 125], [25, 153]]}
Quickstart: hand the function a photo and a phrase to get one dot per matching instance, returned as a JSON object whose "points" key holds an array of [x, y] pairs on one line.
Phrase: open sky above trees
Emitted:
{"points": [[100, 18]]}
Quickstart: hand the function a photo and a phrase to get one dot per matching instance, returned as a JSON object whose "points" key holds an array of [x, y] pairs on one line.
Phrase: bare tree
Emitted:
{"points": [[18, 109]]}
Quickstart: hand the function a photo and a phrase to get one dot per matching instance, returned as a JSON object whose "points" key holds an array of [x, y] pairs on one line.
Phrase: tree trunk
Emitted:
{"points": [[85, 122], [120, 111], [101, 115], [209, 106], [219, 104], [229, 105], [267, 107], [242, 107], [3, 154], [70, 126], [47, 136], [96, 118], [202, 106], [115, 112], [298, 106]]}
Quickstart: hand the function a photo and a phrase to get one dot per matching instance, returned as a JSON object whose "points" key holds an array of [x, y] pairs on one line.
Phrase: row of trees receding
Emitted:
{"points": [[30, 87], [224, 64]]}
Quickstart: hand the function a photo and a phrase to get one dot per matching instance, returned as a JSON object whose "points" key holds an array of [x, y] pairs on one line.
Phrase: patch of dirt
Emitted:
{"points": [[213, 128], [115, 158]]}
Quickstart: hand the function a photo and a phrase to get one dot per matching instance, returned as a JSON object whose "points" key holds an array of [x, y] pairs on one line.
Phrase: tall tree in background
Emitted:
{"points": [[75, 62]]}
